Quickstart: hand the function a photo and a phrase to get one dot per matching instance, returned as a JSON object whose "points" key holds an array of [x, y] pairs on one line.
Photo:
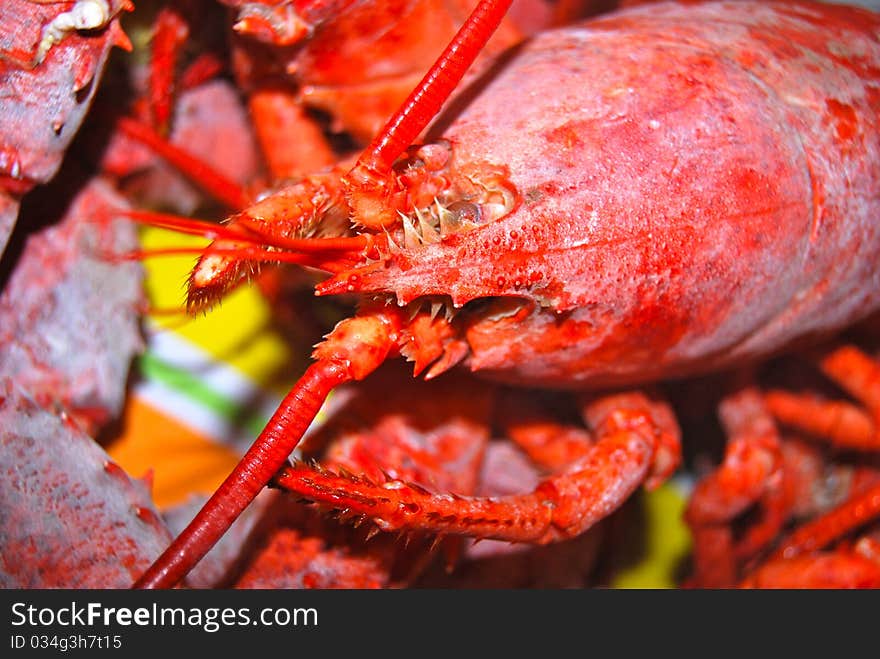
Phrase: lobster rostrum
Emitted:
{"points": [[659, 193]]}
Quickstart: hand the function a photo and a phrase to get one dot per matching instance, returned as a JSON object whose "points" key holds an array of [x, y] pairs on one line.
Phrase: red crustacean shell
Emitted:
{"points": [[708, 194], [69, 516], [684, 187], [691, 194], [46, 103], [359, 60]]}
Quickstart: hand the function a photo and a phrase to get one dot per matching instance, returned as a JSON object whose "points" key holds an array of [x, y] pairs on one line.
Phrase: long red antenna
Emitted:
{"points": [[283, 432], [266, 456], [425, 101]]}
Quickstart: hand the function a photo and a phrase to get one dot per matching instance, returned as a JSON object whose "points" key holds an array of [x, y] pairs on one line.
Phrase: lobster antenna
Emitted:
{"points": [[353, 350], [276, 442], [267, 454]]}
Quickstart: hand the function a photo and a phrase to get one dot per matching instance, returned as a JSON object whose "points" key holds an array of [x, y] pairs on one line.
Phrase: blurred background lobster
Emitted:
{"points": [[511, 181]]}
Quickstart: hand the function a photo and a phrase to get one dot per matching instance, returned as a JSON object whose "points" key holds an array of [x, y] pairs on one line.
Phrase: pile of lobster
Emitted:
{"points": [[612, 249]]}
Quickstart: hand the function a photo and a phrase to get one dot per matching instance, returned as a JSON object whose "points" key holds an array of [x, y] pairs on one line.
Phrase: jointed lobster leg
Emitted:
{"points": [[797, 563], [844, 569], [751, 472], [800, 471], [839, 422], [849, 516], [150, 121], [633, 437], [171, 31], [170, 34], [762, 476], [291, 141]]}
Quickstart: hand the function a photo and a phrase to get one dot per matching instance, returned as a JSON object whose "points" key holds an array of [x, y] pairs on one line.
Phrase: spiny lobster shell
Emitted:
{"points": [[698, 184]]}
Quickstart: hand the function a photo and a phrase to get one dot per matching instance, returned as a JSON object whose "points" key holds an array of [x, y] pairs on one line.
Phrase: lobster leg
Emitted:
{"points": [[150, 124], [751, 472], [628, 440], [828, 570], [802, 468], [841, 423], [798, 564], [356, 347], [821, 532], [170, 34], [291, 141]]}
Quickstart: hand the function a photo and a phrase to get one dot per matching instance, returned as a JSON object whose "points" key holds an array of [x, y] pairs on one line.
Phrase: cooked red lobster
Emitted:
{"points": [[655, 194]]}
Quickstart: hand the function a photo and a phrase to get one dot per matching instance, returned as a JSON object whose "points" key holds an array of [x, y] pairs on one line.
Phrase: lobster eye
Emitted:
{"points": [[464, 214], [410, 164]]}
